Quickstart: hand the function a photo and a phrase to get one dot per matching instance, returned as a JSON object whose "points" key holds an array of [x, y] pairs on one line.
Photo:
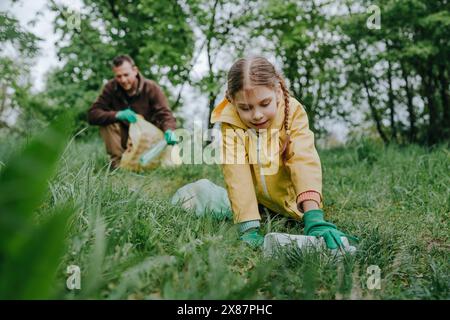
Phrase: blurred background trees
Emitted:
{"points": [[18, 48], [383, 76]]}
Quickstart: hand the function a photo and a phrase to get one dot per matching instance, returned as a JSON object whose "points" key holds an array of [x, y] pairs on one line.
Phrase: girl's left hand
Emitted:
{"points": [[315, 225]]}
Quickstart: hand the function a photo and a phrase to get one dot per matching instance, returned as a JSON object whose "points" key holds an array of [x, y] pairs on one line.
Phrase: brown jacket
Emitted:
{"points": [[149, 101]]}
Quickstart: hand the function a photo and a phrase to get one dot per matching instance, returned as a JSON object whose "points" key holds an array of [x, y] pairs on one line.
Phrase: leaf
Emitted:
{"points": [[30, 253], [29, 271], [23, 181]]}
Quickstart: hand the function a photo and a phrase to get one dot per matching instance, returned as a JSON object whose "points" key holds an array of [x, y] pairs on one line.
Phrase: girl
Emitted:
{"points": [[259, 112]]}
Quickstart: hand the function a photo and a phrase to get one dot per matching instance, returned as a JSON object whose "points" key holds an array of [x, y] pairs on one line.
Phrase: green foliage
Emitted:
{"points": [[12, 33], [225, 30], [301, 35], [17, 50], [154, 33], [393, 79], [30, 252], [131, 243], [367, 151], [410, 46]]}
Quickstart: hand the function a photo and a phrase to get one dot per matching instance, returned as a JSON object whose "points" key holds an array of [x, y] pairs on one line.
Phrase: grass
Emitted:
{"points": [[131, 243]]}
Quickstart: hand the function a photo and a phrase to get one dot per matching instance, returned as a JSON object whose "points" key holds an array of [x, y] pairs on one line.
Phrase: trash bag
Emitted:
{"points": [[142, 136], [204, 197]]}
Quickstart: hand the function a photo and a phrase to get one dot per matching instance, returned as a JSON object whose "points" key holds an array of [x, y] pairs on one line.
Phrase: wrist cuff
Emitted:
{"points": [[244, 226], [308, 195]]}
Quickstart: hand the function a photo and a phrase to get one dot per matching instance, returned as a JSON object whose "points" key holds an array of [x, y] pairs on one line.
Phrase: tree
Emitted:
{"points": [[15, 68], [410, 47], [154, 33], [223, 26], [301, 37]]}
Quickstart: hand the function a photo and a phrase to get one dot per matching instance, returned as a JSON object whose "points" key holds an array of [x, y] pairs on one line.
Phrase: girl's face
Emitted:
{"points": [[257, 106]]}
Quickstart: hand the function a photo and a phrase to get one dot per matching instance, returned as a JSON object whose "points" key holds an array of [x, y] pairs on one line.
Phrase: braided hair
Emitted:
{"points": [[260, 72]]}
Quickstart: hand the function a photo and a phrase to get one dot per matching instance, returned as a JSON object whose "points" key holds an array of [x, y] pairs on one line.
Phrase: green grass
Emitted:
{"points": [[131, 243]]}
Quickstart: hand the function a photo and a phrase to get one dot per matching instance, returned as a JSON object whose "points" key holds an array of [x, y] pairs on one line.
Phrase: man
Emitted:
{"points": [[122, 98]]}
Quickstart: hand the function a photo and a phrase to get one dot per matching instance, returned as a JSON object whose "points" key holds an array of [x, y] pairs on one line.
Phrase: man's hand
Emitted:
{"points": [[171, 137], [315, 225], [127, 115]]}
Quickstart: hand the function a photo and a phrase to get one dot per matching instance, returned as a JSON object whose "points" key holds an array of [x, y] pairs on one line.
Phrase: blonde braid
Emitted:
{"points": [[284, 150], [227, 96]]}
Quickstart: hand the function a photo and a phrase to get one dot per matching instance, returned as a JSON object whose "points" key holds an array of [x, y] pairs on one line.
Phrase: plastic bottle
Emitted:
{"points": [[153, 153]]}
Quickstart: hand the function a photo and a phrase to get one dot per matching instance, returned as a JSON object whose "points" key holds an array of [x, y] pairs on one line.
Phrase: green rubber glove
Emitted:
{"points": [[253, 238], [127, 115], [316, 226], [171, 137]]}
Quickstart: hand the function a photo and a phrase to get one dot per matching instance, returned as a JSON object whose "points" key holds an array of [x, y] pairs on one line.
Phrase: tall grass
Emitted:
{"points": [[131, 243], [30, 252]]}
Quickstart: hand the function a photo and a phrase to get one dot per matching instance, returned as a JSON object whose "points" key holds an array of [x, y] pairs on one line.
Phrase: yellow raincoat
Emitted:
{"points": [[261, 177]]}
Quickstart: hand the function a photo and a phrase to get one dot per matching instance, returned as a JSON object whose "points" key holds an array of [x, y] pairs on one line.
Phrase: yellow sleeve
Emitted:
{"points": [[238, 176], [303, 160]]}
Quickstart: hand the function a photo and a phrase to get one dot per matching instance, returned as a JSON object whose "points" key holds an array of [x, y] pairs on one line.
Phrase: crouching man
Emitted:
{"points": [[122, 98]]}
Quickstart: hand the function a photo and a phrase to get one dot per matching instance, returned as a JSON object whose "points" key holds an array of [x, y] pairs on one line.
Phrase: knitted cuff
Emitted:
{"points": [[308, 195], [247, 225]]}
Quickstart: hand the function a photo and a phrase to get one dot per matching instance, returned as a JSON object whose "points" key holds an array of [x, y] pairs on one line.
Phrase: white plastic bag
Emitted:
{"points": [[204, 197]]}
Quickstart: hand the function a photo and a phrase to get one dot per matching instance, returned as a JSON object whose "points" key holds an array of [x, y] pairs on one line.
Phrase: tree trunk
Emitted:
{"points": [[443, 80], [373, 110], [211, 94], [211, 104], [411, 111], [186, 76], [429, 91], [391, 104], [3, 96]]}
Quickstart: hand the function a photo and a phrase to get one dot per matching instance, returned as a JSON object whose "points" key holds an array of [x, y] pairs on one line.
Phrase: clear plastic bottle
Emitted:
{"points": [[153, 153]]}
